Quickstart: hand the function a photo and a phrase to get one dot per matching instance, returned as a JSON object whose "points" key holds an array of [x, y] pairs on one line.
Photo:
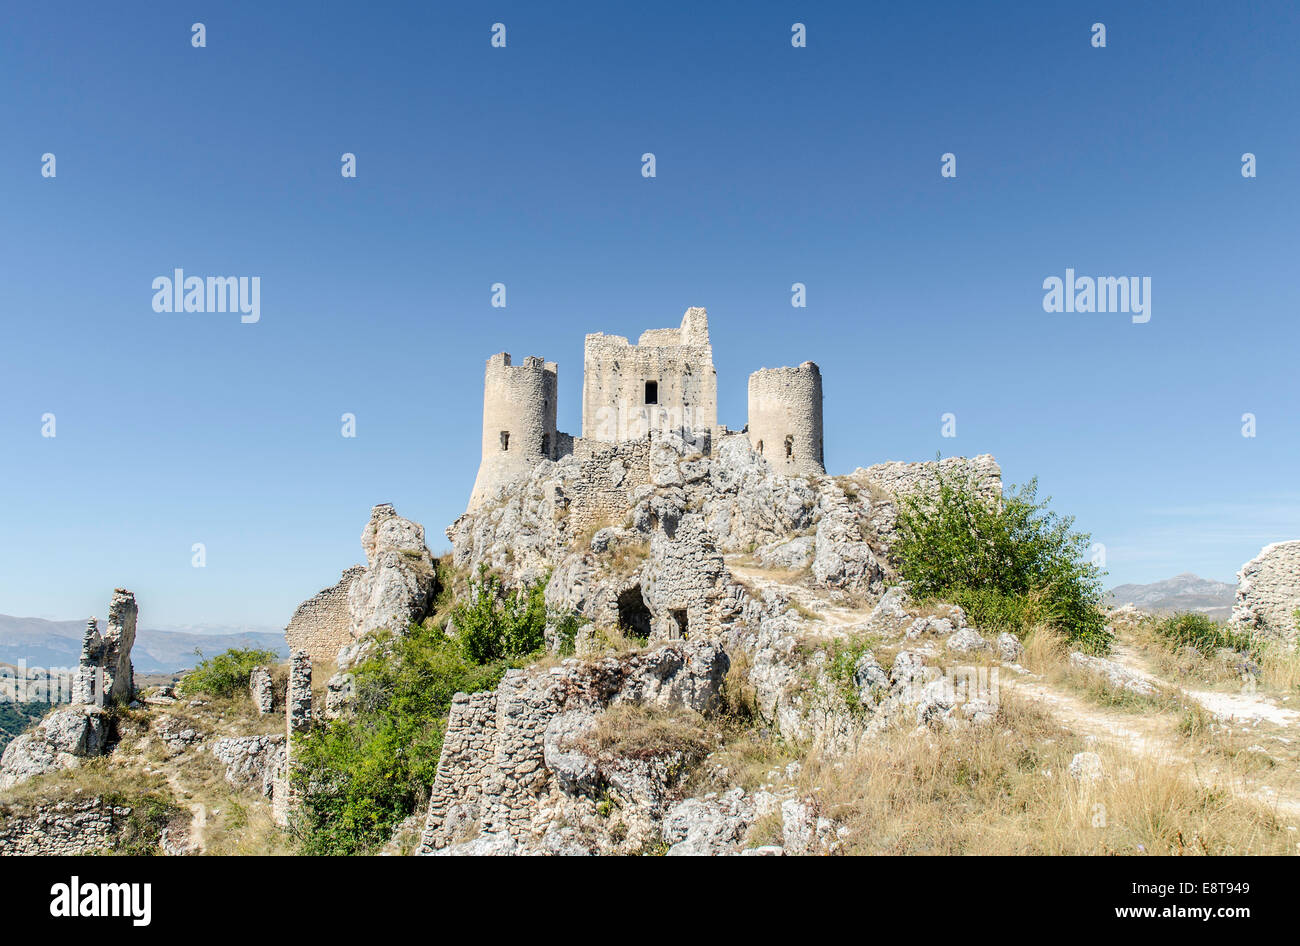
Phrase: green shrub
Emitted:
{"points": [[361, 775], [223, 674], [1190, 629], [495, 624], [1007, 564]]}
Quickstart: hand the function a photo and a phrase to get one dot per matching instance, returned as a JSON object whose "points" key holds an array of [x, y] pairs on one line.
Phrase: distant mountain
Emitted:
{"points": [[1185, 592], [44, 643]]}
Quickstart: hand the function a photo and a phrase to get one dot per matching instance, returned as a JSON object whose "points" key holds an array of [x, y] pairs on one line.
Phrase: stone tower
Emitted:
{"points": [[665, 381], [785, 418], [518, 422]]}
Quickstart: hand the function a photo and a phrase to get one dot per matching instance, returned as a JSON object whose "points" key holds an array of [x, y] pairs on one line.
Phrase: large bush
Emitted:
{"points": [[1009, 564], [496, 624], [224, 674]]}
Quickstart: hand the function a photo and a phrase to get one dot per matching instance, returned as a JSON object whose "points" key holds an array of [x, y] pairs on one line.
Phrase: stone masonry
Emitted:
{"points": [[1268, 593], [298, 719], [664, 385], [322, 625], [62, 828], [506, 768], [785, 418], [261, 690], [105, 674]]}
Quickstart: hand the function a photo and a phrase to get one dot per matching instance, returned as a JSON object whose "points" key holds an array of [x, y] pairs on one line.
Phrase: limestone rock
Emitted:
{"points": [[966, 641], [1009, 647], [1086, 767], [699, 827], [400, 580], [59, 741], [1115, 674]]}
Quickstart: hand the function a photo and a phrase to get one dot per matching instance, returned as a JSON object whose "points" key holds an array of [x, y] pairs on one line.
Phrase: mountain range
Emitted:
{"points": [[43, 643], [1185, 592]]}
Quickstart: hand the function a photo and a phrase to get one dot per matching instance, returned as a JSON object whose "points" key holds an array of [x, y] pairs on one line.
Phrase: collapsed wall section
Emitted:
{"points": [[322, 624]]}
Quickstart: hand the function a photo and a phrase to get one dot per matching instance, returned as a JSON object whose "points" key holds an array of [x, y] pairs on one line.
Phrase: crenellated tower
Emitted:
{"points": [[785, 418], [518, 422]]}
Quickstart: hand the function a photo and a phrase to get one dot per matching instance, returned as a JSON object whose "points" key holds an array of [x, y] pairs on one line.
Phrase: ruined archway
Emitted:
{"points": [[633, 615]]}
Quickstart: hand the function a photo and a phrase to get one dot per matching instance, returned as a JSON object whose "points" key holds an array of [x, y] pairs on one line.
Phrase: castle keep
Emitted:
{"points": [[665, 383]]}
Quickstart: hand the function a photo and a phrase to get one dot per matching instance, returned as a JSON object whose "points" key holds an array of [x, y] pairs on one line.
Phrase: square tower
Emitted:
{"points": [[665, 382]]}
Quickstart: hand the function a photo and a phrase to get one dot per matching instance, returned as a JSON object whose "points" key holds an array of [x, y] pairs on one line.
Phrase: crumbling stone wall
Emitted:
{"points": [[507, 770], [298, 719], [901, 479], [685, 580], [321, 624], [61, 828], [467, 750], [1268, 593], [785, 418], [105, 674], [616, 404], [609, 476], [519, 403]]}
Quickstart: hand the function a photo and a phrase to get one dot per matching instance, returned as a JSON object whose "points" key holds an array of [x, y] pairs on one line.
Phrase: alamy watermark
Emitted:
{"points": [[181, 293], [1130, 294]]}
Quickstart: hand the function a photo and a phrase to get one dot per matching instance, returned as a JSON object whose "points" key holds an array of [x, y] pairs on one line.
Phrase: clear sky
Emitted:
{"points": [[522, 165]]}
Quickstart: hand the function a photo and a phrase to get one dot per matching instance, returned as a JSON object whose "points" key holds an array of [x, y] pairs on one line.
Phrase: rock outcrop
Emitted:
{"points": [[399, 581]]}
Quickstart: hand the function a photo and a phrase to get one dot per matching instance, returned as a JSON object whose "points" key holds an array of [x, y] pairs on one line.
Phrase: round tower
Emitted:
{"points": [[785, 418], [518, 422]]}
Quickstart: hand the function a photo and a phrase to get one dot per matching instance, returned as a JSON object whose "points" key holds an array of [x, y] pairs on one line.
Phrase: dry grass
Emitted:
{"points": [[1005, 789], [647, 732], [1047, 653], [1280, 669]]}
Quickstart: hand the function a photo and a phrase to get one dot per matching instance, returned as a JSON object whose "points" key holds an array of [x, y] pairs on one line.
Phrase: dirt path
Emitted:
{"points": [[1229, 707], [1152, 736], [198, 814]]}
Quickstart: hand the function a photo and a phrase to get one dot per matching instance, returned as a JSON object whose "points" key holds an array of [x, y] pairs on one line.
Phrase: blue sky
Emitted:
{"points": [[521, 165]]}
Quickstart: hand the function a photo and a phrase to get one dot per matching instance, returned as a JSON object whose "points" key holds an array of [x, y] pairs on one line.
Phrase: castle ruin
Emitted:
{"points": [[664, 384]]}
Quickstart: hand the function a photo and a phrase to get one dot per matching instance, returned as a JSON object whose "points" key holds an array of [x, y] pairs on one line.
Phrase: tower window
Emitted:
{"points": [[652, 392], [546, 445], [760, 448], [789, 446], [505, 440]]}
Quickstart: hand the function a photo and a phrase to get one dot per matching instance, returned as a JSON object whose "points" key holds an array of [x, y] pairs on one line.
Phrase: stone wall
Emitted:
{"points": [[900, 479], [616, 404], [321, 625], [519, 403], [1268, 593], [61, 828], [601, 494], [298, 719], [785, 418], [507, 770]]}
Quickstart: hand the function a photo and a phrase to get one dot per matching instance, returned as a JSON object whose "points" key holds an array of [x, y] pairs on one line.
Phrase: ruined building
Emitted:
{"points": [[665, 383], [104, 674]]}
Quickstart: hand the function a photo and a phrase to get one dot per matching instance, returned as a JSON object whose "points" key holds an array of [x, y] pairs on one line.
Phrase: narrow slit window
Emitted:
{"points": [[505, 440], [652, 392], [789, 446]]}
